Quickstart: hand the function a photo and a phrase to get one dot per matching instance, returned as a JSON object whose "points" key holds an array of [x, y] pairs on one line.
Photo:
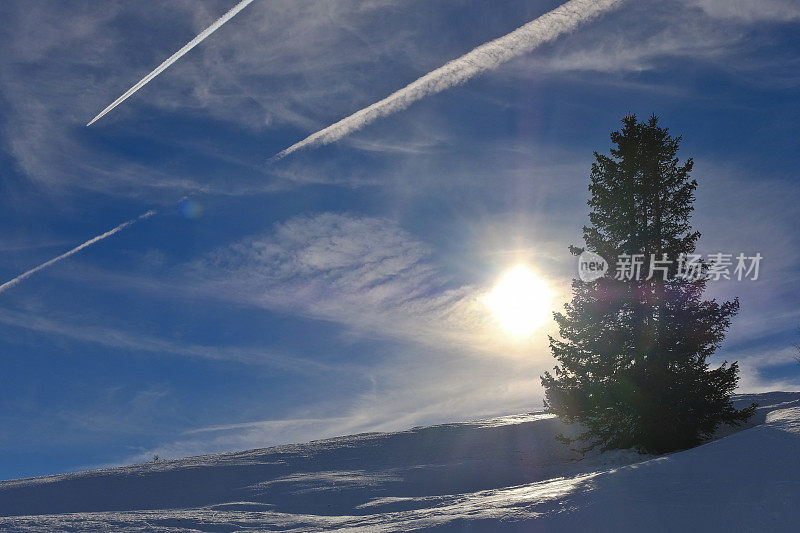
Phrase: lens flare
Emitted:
{"points": [[190, 209]]}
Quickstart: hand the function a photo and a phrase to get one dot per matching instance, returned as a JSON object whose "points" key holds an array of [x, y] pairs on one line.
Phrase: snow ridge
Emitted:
{"points": [[501, 474]]}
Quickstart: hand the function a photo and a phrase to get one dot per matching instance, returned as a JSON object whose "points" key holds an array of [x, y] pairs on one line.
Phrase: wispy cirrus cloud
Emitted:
{"points": [[61, 59], [407, 392], [319, 60], [750, 11], [677, 33], [377, 280], [365, 273], [443, 360], [137, 342]]}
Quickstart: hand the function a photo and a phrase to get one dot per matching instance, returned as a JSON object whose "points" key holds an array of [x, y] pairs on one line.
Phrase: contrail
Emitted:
{"points": [[75, 250], [487, 56], [174, 57]]}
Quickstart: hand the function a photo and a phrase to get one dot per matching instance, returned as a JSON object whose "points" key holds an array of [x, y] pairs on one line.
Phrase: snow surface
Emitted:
{"points": [[501, 474]]}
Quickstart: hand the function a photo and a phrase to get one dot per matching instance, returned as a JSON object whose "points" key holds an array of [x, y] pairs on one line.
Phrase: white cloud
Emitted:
{"points": [[365, 273], [638, 39], [126, 340], [618, 52], [751, 11], [417, 389], [653, 35]]}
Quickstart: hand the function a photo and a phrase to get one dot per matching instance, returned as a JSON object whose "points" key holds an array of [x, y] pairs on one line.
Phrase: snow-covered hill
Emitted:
{"points": [[501, 474]]}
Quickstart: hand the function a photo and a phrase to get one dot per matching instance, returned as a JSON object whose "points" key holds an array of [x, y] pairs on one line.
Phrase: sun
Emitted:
{"points": [[520, 301]]}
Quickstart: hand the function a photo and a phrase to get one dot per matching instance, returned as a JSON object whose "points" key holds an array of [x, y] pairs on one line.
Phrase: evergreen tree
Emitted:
{"points": [[632, 354]]}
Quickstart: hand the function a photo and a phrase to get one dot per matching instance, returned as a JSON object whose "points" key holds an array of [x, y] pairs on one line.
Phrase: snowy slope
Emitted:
{"points": [[502, 474]]}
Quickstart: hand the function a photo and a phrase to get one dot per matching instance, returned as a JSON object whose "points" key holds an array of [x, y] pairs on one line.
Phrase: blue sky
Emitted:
{"points": [[338, 290]]}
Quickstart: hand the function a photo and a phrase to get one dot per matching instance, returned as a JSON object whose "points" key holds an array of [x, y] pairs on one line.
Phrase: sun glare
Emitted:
{"points": [[520, 302]]}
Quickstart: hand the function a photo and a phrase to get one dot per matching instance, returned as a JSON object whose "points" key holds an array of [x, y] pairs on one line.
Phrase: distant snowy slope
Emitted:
{"points": [[502, 474]]}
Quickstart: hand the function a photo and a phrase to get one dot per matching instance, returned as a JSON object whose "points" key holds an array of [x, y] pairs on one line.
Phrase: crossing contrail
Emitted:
{"points": [[174, 57], [75, 250], [487, 56]]}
